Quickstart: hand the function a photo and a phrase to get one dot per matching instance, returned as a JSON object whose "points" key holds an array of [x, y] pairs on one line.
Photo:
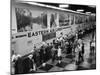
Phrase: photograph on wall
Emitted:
{"points": [[24, 19], [51, 38], [64, 19], [27, 19], [53, 20]]}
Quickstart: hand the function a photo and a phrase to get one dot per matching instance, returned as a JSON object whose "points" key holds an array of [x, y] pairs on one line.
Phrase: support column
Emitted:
{"points": [[57, 21], [74, 19], [70, 17]]}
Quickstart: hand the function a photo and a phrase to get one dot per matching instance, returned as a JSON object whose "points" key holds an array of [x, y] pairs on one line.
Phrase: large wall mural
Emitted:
{"points": [[28, 19]]}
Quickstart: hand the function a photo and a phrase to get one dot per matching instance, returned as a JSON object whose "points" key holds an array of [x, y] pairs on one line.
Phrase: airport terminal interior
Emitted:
{"points": [[52, 37]]}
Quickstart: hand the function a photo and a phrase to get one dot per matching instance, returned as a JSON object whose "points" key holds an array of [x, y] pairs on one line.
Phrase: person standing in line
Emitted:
{"points": [[61, 39], [15, 63], [80, 41], [59, 53], [66, 46], [35, 58], [92, 46], [18, 65], [41, 54], [75, 45], [48, 53], [28, 64], [55, 43], [73, 49], [44, 54], [82, 51], [76, 55], [76, 36], [54, 52]]}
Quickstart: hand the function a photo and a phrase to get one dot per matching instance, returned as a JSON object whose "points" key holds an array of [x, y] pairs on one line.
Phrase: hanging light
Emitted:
{"points": [[79, 10]]}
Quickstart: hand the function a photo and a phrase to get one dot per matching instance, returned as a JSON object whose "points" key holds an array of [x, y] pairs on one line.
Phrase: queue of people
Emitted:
{"points": [[53, 51]]}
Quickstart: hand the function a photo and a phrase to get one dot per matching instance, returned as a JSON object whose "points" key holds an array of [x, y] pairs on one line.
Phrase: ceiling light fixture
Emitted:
{"points": [[79, 10]]}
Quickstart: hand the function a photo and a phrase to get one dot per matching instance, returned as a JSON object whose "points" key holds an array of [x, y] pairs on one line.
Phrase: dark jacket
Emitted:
{"points": [[18, 66], [27, 65]]}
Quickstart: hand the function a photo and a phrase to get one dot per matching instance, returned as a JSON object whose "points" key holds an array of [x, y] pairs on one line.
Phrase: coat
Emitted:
{"points": [[27, 65]]}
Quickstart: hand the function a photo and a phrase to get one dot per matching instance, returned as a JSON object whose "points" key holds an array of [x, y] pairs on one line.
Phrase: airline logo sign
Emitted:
{"points": [[42, 32], [30, 34]]}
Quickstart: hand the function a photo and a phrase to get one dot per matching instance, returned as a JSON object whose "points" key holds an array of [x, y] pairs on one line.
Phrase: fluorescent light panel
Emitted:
{"points": [[88, 12], [80, 10]]}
